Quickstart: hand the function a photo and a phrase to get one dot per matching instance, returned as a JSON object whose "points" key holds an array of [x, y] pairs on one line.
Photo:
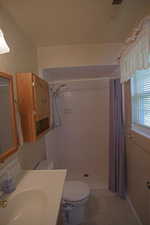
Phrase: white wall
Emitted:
{"points": [[81, 143], [22, 58], [78, 55]]}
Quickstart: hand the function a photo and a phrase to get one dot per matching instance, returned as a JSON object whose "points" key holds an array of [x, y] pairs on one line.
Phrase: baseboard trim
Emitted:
{"points": [[134, 211]]}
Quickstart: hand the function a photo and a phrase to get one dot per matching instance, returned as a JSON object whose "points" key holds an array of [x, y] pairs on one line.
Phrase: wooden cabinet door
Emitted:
{"points": [[33, 99], [41, 98]]}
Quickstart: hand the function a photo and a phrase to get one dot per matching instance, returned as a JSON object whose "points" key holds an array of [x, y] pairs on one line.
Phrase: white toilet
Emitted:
{"points": [[75, 198], [43, 165]]}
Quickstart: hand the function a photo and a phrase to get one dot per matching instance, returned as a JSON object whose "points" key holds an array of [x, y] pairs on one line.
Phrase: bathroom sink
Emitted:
{"points": [[36, 200], [27, 207]]}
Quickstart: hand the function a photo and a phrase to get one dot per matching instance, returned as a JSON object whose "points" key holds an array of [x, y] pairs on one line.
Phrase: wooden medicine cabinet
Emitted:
{"points": [[33, 101]]}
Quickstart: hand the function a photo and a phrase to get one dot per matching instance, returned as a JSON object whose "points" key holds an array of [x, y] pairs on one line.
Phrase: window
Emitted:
{"points": [[140, 90]]}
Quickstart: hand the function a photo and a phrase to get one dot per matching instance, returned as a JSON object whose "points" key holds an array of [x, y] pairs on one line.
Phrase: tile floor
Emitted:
{"points": [[105, 208]]}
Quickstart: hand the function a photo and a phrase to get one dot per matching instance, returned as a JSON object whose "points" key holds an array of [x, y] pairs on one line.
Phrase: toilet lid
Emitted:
{"points": [[75, 191]]}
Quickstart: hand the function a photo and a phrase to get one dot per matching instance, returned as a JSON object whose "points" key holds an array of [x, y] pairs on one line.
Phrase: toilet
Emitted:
{"points": [[75, 198], [43, 165]]}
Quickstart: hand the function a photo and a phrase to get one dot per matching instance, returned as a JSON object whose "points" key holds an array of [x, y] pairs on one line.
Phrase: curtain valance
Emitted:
{"points": [[136, 54]]}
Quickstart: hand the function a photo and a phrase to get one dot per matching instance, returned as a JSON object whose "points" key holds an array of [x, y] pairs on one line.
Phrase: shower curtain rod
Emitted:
{"points": [[82, 80]]}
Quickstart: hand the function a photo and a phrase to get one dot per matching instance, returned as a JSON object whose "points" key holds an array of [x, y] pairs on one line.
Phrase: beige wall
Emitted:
{"points": [[22, 58], [78, 55], [138, 166], [138, 161]]}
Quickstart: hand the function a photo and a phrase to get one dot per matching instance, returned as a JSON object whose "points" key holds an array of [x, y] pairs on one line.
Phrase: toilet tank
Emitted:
{"points": [[44, 165]]}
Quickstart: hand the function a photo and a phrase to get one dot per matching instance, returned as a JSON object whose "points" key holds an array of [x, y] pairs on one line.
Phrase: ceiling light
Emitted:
{"points": [[3, 45]]}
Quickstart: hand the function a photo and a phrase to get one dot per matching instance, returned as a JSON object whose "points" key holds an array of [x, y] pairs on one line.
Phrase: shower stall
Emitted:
{"points": [[78, 140]]}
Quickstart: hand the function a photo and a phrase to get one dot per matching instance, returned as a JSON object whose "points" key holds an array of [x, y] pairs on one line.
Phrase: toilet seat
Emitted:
{"points": [[75, 191]]}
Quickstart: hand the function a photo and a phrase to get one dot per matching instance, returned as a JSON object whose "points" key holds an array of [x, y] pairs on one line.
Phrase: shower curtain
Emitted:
{"points": [[117, 154]]}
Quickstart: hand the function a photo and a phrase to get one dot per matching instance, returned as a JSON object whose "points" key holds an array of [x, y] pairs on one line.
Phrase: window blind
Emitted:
{"points": [[141, 98]]}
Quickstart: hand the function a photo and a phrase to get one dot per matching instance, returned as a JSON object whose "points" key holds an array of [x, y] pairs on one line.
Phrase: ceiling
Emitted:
{"points": [[60, 22], [83, 72]]}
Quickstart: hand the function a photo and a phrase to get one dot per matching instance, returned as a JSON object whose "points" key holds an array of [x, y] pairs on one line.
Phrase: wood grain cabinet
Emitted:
{"points": [[34, 107]]}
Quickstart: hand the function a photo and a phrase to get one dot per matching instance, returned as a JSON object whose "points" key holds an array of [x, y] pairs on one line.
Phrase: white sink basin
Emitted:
{"points": [[36, 200], [28, 207]]}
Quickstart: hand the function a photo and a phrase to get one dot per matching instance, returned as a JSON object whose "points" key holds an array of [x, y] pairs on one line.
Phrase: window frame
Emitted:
{"points": [[137, 119], [135, 136]]}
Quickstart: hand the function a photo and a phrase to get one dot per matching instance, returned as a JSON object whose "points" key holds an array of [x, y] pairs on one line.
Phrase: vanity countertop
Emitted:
{"points": [[41, 193]]}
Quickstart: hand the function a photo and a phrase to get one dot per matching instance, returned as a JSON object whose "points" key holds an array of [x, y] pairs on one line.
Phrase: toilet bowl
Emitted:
{"points": [[75, 197]]}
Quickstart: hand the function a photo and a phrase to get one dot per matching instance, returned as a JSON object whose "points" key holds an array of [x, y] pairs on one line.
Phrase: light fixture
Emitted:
{"points": [[3, 45]]}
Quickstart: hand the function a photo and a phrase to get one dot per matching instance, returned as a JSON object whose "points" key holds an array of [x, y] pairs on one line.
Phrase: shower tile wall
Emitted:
{"points": [[81, 143]]}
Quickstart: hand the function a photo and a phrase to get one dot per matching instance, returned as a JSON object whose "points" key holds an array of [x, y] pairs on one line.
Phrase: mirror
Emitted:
{"points": [[8, 134]]}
